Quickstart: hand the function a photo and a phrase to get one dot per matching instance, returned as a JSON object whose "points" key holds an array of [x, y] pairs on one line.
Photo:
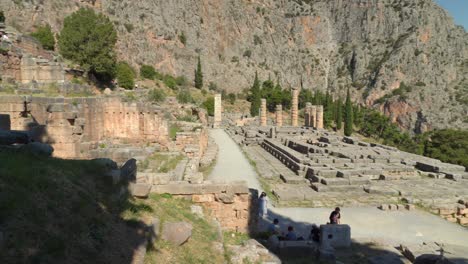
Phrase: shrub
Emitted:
{"points": [[231, 98], [181, 80], [209, 106], [125, 75], [156, 96], [173, 129], [45, 36], [2, 17], [212, 86], [170, 81], [184, 97], [88, 39], [183, 38], [247, 53], [147, 72]]}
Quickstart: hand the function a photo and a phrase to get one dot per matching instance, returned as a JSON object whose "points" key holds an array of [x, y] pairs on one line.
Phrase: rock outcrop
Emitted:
{"points": [[405, 57]]}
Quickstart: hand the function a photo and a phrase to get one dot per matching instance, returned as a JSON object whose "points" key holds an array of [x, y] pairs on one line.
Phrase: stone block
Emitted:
{"points": [[383, 207], [392, 207], [140, 190], [410, 207], [225, 198], [463, 221], [462, 211], [177, 233], [337, 236], [446, 211], [381, 190], [203, 198]]}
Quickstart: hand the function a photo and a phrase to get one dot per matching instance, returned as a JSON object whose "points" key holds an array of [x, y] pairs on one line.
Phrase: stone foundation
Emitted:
{"points": [[231, 204]]}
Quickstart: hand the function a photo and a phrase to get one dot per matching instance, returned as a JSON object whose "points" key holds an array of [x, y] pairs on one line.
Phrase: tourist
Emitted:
{"points": [[291, 235], [314, 233], [262, 205], [335, 217], [273, 228]]}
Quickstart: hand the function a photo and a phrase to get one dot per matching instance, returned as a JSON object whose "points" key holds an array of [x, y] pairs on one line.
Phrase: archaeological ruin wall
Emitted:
{"points": [[76, 126]]}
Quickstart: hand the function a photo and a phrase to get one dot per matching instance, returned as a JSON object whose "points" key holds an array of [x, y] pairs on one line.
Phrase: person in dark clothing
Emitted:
{"points": [[315, 233], [335, 216]]}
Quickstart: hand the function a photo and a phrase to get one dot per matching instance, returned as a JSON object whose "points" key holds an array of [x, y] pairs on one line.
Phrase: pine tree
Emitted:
{"points": [[339, 114], [348, 126], [255, 96], [199, 75]]}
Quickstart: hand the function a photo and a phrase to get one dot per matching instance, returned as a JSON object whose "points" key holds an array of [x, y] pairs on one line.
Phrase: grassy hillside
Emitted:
{"points": [[63, 211]]}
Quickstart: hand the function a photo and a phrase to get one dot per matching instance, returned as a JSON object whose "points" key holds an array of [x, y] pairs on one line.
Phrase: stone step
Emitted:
{"points": [[343, 188], [292, 179]]}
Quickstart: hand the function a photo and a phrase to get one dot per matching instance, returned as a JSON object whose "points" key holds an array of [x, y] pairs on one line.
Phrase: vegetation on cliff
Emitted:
{"points": [[88, 39], [45, 36], [199, 75]]}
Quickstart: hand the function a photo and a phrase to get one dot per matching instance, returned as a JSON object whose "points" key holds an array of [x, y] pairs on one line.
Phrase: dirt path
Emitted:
{"points": [[366, 223]]}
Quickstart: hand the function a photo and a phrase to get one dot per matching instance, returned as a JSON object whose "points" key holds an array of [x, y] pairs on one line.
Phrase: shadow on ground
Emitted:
{"points": [[65, 211]]}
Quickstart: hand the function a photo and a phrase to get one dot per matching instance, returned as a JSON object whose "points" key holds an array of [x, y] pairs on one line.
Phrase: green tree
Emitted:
{"points": [[209, 106], [339, 114], [125, 75], [231, 97], [255, 96], [448, 145], [147, 72], [89, 39], [199, 75], [45, 36], [170, 81], [2, 17], [348, 115]]}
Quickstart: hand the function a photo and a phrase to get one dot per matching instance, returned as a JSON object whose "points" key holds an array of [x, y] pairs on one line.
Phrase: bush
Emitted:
{"points": [[88, 39], [125, 75], [212, 86], [2, 17], [173, 129], [183, 38], [181, 80], [184, 97], [147, 72], [45, 36], [156, 96], [231, 98], [209, 106], [170, 81]]}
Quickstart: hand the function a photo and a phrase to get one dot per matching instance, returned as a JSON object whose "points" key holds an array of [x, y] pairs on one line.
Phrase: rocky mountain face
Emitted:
{"points": [[404, 57]]}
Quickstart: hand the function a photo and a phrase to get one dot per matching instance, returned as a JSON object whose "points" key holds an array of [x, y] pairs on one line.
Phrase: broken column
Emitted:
{"points": [[319, 118], [307, 115], [217, 111], [313, 114], [279, 115], [263, 114], [294, 106]]}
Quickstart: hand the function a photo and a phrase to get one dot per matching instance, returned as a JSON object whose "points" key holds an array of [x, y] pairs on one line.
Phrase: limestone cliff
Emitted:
{"points": [[371, 45]]}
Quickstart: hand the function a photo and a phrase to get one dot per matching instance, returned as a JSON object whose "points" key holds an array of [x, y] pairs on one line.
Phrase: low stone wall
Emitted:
{"points": [[231, 204], [74, 126]]}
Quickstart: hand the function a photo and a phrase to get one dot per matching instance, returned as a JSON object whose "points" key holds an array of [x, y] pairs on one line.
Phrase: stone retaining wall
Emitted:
{"points": [[231, 204], [74, 126]]}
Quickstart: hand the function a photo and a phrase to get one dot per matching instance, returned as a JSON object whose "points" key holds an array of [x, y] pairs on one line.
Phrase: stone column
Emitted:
{"points": [[279, 115], [294, 106], [313, 116], [307, 115], [263, 113], [319, 119], [217, 111]]}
